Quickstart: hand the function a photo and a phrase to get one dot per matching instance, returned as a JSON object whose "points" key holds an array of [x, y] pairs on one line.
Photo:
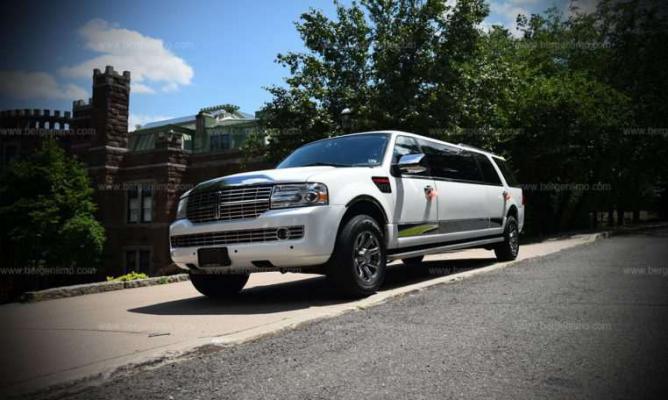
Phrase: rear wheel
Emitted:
{"points": [[358, 264], [508, 249], [218, 286]]}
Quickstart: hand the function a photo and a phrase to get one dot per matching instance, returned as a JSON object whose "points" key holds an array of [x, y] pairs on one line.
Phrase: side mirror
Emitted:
{"points": [[411, 163]]}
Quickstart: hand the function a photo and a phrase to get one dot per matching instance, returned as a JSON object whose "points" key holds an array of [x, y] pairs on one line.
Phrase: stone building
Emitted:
{"points": [[137, 176]]}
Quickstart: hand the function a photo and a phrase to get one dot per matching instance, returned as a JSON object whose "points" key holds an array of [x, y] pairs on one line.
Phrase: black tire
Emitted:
{"points": [[358, 272], [217, 286], [413, 261], [510, 247]]}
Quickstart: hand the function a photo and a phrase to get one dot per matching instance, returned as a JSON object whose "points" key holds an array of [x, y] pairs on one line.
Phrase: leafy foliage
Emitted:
{"points": [[130, 276], [46, 209], [559, 101]]}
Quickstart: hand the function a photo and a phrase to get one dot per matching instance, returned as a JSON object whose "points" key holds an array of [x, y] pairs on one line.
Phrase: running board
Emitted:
{"points": [[443, 248]]}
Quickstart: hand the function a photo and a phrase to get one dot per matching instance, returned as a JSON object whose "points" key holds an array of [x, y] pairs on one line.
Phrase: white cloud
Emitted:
{"points": [[523, 2], [582, 7], [508, 11], [170, 87], [37, 85], [141, 88], [152, 65], [141, 119], [451, 4]]}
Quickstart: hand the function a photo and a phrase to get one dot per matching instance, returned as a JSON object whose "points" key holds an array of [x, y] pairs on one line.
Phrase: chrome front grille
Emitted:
{"points": [[236, 203], [237, 237]]}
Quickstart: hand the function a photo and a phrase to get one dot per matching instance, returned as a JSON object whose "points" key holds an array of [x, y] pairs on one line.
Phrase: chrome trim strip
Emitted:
{"points": [[443, 227], [223, 238], [441, 249]]}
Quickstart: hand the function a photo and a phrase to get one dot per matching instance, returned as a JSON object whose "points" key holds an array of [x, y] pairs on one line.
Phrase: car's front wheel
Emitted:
{"points": [[358, 264], [217, 286], [508, 249]]}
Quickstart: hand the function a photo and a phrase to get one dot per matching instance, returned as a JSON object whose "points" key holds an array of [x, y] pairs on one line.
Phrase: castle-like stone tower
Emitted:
{"points": [[107, 111], [103, 145], [111, 100], [104, 119]]}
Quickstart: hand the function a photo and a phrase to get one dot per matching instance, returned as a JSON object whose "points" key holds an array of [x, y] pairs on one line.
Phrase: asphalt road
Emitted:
{"points": [[589, 322]]}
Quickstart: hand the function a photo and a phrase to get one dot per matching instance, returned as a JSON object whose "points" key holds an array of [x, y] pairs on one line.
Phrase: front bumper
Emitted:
{"points": [[315, 247]]}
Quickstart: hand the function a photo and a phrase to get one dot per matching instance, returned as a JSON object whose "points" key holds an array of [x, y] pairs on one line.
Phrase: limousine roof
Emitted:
{"points": [[460, 145]]}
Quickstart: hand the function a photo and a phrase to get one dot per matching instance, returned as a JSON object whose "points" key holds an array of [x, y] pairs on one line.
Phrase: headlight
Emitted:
{"points": [[299, 195], [181, 209]]}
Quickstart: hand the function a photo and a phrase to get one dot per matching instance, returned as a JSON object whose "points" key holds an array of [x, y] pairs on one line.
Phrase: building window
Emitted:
{"points": [[133, 205], [146, 204], [220, 142], [225, 142], [140, 204], [138, 260], [142, 142], [238, 139], [186, 142]]}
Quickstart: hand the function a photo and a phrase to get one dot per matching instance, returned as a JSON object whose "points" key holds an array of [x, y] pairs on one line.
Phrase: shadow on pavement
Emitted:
{"points": [[305, 293], [402, 275]]}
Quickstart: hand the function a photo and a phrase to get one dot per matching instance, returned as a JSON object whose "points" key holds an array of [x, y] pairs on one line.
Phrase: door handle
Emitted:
{"points": [[429, 192]]}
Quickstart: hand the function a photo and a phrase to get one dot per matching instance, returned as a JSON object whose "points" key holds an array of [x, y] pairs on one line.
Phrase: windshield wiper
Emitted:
{"points": [[325, 164]]}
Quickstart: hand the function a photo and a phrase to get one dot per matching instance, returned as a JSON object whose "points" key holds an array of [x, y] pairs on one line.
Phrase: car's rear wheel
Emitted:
{"points": [[358, 264], [510, 247], [217, 286]]}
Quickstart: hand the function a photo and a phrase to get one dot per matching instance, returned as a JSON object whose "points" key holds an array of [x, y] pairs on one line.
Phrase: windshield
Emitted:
{"points": [[344, 151]]}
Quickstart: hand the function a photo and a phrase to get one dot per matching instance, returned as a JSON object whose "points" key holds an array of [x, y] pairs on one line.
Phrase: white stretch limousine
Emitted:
{"points": [[345, 206]]}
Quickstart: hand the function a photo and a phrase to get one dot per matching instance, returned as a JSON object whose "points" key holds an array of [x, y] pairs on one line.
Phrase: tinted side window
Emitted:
{"points": [[404, 145], [507, 172], [450, 162], [489, 174]]}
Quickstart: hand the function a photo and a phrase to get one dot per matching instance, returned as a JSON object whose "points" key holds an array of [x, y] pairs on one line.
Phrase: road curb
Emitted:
{"points": [[98, 287]]}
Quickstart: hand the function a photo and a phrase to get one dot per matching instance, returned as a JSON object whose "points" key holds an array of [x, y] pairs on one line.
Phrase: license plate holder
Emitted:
{"points": [[213, 257]]}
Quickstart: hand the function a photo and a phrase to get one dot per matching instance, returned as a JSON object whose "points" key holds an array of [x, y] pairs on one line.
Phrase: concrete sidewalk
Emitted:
{"points": [[87, 337]]}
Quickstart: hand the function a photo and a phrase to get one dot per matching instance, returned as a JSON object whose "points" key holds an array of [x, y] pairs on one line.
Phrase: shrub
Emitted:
{"points": [[131, 276]]}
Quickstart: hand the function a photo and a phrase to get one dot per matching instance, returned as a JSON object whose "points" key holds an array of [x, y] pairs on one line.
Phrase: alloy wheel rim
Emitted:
{"points": [[367, 256]]}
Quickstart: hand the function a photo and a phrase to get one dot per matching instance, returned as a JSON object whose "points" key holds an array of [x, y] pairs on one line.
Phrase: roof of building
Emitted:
{"points": [[171, 121], [223, 114]]}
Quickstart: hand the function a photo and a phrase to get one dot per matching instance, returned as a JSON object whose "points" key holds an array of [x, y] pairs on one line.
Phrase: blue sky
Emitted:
{"points": [[183, 55]]}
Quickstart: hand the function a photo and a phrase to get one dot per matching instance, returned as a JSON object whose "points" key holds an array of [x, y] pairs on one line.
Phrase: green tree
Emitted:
{"points": [[559, 100], [599, 47], [392, 64], [46, 209], [634, 61], [332, 76]]}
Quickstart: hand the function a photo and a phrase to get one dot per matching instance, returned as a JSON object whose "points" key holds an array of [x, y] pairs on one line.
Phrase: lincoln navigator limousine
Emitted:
{"points": [[346, 206]]}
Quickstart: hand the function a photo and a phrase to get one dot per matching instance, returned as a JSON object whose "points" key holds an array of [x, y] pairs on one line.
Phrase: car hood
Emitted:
{"points": [[267, 176]]}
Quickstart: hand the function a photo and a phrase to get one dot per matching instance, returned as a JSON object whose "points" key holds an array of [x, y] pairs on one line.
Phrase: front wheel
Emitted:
{"points": [[218, 286], [358, 264], [508, 249]]}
